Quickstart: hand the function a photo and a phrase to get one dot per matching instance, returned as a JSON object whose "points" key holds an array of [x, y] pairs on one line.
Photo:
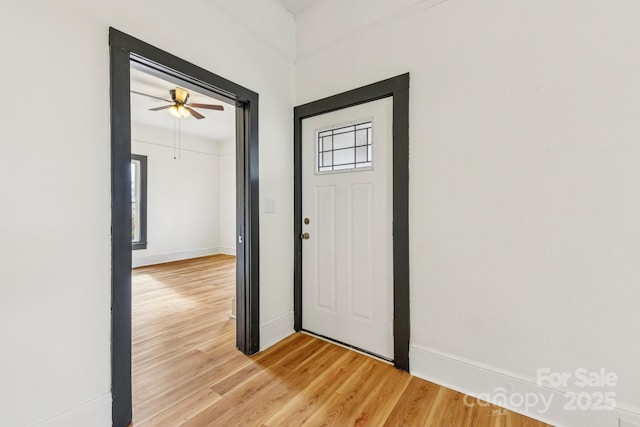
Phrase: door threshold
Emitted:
{"points": [[349, 347]]}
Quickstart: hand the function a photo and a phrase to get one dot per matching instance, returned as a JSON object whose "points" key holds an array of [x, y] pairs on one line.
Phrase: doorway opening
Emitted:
{"points": [[183, 240], [127, 52]]}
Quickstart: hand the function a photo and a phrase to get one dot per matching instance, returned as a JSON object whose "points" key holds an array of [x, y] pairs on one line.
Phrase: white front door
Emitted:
{"points": [[347, 256]]}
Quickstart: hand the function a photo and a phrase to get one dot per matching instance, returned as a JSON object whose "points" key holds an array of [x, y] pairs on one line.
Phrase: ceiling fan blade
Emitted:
{"points": [[164, 107], [194, 113], [150, 96], [208, 106]]}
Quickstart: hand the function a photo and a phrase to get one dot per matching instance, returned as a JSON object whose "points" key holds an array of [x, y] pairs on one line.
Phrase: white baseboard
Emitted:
{"points": [[96, 412], [490, 384], [227, 251], [276, 330], [629, 420], [143, 260]]}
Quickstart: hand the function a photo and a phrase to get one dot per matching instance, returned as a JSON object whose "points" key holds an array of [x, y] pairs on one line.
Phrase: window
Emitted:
{"points": [[138, 202], [344, 147]]}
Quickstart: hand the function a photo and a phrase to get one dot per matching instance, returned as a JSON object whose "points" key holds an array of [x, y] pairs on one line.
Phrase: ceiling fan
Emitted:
{"points": [[179, 107]]}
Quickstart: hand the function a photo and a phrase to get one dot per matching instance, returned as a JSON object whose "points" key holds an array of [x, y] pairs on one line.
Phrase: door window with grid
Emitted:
{"points": [[345, 148]]}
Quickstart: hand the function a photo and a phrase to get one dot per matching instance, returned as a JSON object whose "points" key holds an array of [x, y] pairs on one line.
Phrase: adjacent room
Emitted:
{"points": [[183, 238]]}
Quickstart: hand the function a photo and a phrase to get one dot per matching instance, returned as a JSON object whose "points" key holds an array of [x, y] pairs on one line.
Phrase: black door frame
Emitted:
{"points": [[125, 51], [397, 88]]}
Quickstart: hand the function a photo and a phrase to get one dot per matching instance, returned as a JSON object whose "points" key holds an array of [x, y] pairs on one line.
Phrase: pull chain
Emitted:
{"points": [[175, 132], [177, 139]]}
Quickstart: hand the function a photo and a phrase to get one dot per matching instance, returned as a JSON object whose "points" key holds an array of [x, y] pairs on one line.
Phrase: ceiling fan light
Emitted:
{"points": [[182, 111], [178, 111]]}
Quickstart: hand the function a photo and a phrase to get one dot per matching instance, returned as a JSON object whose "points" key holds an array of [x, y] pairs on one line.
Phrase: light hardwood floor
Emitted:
{"points": [[187, 372]]}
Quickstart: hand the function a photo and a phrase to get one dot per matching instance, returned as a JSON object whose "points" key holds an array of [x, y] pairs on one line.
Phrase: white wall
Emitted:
{"points": [[187, 200], [524, 213], [227, 196], [55, 218]]}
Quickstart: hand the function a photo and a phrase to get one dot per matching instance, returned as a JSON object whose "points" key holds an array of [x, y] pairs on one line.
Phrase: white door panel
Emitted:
{"points": [[325, 249], [347, 262]]}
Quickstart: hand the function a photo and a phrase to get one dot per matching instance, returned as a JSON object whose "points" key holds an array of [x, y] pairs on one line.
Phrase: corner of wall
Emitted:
{"points": [[276, 330]]}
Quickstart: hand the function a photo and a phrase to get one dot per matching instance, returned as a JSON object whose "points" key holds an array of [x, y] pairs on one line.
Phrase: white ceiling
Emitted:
{"points": [[298, 6], [217, 125]]}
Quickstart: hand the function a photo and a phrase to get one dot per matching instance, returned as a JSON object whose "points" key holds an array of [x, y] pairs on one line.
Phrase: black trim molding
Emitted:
{"points": [[142, 203], [127, 52], [398, 88]]}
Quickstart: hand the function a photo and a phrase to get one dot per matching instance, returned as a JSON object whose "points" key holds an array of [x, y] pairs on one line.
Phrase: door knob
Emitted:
{"points": [[304, 236]]}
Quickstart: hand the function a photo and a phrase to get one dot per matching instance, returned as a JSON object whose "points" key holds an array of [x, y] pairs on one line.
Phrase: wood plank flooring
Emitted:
{"points": [[187, 371]]}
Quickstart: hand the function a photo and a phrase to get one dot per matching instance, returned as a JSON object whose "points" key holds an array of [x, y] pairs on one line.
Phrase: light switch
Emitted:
{"points": [[269, 206]]}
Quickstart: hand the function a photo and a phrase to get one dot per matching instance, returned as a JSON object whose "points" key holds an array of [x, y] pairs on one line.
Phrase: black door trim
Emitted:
{"points": [[125, 51], [398, 88]]}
